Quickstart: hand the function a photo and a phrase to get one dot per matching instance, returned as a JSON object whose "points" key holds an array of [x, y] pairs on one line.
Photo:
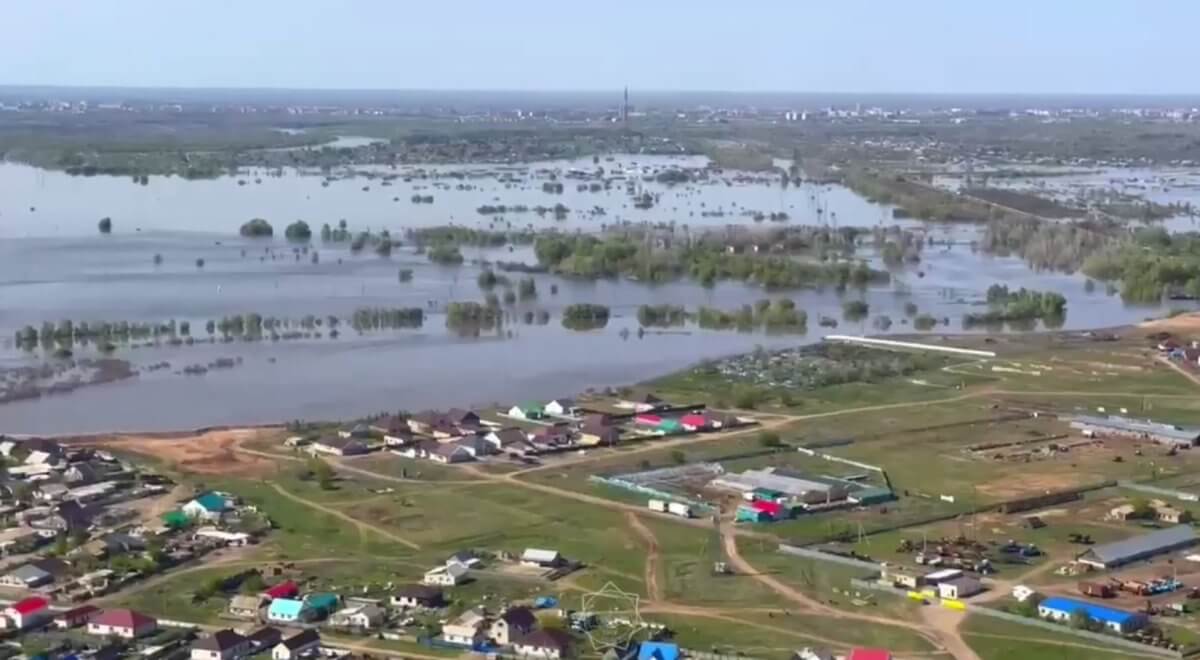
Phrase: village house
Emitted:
{"points": [[596, 432], [359, 431], [285, 589], [298, 645], [49, 491], [696, 422], [527, 410], [16, 540], [362, 617], [450, 575], [36, 573], [390, 424], [548, 644], [512, 624], [960, 587], [245, 606], [465, 630], [80, 474], [70, 516], [450, 452], [338, 446], [507, 439], [210, 506], [221, 645], [123, 623], [289, 610], [419, 449], [419, 596], [265, 638], [561, 408], [28, 612], [75, 617], [477, 445]]}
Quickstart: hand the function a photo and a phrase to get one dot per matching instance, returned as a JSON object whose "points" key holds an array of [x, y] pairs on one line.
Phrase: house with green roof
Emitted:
{"points": [[528, 410], [289, 610], [322, 604], [209, 506], [670, 426]]}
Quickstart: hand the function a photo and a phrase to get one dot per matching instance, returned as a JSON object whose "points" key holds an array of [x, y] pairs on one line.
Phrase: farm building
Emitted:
{"points": [[648, 420], [959, 587], [1112, 425], [339, 446], [804, 488], [543, 558], [1123, 552], [561, 407], [762, 511], [1061, 609]]}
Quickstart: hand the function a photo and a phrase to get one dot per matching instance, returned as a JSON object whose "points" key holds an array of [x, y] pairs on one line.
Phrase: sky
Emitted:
{"points": [[915, 46]]}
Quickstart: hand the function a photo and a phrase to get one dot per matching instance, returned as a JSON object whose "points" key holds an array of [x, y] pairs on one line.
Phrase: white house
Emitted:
{"points": [[466, 630], [546, 644], [297, 645], [450, 575], [363, 616], [28, 612], [126, 624], [561, 407], [221, 645], [960, 587], [209, 507], [231, 539]]}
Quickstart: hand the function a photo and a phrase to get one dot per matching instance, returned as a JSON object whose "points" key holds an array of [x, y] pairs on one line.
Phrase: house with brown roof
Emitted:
{"points": [[512, 624], [594, 432], [507, 439], [418, 595], [124, 623], [221, 645], [450, 452], [297, 645]]}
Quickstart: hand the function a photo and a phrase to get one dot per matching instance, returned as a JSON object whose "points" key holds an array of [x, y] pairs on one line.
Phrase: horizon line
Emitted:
{"points": [[591, 90]]}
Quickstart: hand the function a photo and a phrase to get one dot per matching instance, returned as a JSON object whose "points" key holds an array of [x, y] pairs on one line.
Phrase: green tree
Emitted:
{"points": [[298, 231], [769, 439], [105, 225], [258, 228]]}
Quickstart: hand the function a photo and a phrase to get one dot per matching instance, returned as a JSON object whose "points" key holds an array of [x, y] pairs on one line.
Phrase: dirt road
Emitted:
{"points": [[946, 623], [653, 590]]}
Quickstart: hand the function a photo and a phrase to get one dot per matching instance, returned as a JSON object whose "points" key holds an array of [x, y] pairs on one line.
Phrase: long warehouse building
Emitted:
{"points": [[1119, 553], [1138, 429]]}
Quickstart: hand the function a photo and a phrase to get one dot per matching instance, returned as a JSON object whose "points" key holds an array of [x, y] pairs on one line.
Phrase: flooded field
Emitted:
{"points": [[54, 265]]}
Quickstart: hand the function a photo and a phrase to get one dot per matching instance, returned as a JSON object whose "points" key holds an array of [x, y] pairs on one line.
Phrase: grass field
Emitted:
{"points": [[993, 639]]}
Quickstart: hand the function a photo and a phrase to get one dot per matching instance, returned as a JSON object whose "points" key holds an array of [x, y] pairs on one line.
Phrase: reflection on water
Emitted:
{"points": [[54, 266]]}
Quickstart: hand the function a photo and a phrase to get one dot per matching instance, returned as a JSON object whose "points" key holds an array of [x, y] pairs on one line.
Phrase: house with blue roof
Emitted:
{"points": [[209, 506], [289, 610], [658, 651], [1119, 621]]}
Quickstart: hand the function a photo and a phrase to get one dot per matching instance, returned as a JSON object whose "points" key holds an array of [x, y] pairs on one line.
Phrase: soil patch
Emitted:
{"points": [[210, 452]]}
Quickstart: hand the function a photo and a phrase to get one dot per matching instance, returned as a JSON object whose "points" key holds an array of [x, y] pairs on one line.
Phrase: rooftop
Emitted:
{"points": [[1097, 612], [1138, 546], [1139, 426]]}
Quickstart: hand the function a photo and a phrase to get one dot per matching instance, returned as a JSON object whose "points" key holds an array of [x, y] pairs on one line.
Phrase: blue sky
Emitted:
{"points": [[939, 46]]}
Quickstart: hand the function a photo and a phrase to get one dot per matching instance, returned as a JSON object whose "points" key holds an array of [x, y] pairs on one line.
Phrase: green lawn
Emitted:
{"points": [[993, 639]]}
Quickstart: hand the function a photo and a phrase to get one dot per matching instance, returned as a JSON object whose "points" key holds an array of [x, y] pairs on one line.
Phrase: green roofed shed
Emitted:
{"points": [[670, 426], [176, 519]]}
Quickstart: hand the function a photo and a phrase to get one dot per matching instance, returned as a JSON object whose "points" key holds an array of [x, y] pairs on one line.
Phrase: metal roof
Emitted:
{"points": [[1097, 612], [1125, 424], [1140, 546]]}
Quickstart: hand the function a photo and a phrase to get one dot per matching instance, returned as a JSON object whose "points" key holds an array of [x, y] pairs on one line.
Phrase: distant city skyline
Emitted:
{"points": [[1102, 47]]}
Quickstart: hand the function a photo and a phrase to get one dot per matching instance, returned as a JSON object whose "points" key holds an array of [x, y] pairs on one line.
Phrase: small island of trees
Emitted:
{"points": [[297, 231], [257, 228]]}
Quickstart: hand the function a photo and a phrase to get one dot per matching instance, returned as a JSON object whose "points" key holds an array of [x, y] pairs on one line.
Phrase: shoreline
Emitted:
{"points": [[1192, 318]]}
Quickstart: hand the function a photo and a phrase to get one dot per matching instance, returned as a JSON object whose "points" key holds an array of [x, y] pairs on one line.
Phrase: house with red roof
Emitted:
{"points": [[869, 654], [647, 420], [28, 612], [696, 422], [75, 617], [127, 624], [287, 589]]}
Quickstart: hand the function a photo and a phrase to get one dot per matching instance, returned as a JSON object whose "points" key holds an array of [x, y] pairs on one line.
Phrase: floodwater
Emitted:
{"points": [[54, 265]]}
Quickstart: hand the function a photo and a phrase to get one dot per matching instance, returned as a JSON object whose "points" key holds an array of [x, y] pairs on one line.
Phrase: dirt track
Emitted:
{"points": [[653, 589], [211, 452]]}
